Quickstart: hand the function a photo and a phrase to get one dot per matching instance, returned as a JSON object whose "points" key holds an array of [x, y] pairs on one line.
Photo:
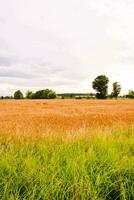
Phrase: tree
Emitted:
{"points": [[18, 95], [100, 84], [29, 94], [44, 94], [116, 90], [130, 94], [38, 95], [41, 94], [51, 95]]}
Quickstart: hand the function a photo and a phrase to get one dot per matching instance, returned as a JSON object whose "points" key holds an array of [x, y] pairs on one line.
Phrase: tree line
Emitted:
{"points": [[40, 94], [100, 85]]}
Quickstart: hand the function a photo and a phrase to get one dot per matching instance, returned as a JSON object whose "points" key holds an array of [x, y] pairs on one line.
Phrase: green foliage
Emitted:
{"points": [[51, 94], [29, 94], [130, 94], [101, 168], [18, 95], [100, 84], [116, 90], [41, 94]]}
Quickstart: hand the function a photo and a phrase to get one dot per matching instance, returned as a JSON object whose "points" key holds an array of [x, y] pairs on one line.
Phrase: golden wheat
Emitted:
{"points": [[42, 117]]}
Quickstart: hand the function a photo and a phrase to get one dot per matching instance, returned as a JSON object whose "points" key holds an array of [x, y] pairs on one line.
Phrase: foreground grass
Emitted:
{"points": [[97, 168]]}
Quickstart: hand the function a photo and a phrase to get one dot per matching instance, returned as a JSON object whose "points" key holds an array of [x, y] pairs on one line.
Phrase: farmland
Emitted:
{"points": [[67, 149], [39, 116]]}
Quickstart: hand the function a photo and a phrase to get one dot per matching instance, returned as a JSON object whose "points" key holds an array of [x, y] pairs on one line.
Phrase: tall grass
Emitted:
{"points": [[97, 168]]}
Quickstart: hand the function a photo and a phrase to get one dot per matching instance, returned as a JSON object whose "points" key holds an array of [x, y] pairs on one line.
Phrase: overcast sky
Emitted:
{"points": [[65, 44]]}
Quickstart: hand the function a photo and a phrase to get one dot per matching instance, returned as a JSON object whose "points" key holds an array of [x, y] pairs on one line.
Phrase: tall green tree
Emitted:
{"points": [[116, 90], [100, 84], [18, 95]]}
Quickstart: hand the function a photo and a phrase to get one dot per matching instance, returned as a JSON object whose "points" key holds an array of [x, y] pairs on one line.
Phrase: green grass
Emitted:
{"points": [[101, 167]]}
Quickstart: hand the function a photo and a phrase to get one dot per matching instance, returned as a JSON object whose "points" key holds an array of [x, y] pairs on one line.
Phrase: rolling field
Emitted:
{"points": [[67, 149]]}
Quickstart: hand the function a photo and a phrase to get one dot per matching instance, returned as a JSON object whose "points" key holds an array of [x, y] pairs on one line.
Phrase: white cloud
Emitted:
{"points": [[65, 44]]}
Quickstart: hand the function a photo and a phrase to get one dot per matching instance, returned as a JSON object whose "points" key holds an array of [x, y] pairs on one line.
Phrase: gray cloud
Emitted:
{"points": [[7, 61], [16, 74]]}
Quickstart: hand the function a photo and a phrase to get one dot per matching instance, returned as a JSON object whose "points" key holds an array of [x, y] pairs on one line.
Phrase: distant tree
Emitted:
{"points": [[37, 94], [8, 97], [44, 94], [100, 84], [116, 90], [51, 95], [130, 94], [41, 94], [29, 94], [18, 95]]}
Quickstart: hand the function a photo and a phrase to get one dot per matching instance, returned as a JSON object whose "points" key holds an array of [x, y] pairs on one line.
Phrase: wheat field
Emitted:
{"points": [[40, 116], [67, 149]]}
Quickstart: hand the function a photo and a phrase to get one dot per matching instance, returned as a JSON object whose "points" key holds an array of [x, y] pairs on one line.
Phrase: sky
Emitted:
{"points": [[64, 44]]}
